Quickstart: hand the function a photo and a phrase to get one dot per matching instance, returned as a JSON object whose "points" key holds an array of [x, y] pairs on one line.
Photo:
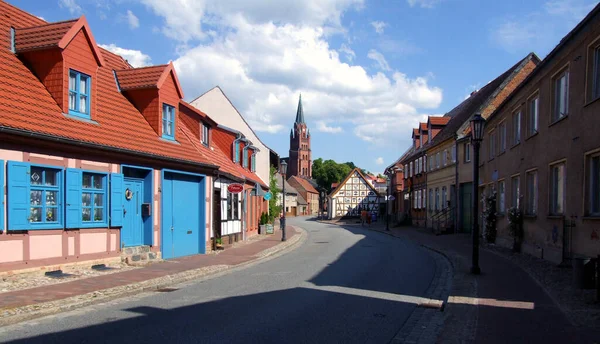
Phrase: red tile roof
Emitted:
{"points": [[423, 126], [305, 184], [27, 107], [415, 132], [42, 36], [58, 34], [146, 77], [439, 120]]}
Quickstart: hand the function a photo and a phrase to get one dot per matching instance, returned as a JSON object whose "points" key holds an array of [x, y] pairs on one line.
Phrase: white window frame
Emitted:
{"points": [[501, 196], [467, 152], [453, 153], [515, 190], [557, 188], [593, 184], [502, 135], [437, 160], [531, 186], [516, 126], [558, 92], [533, 114]]}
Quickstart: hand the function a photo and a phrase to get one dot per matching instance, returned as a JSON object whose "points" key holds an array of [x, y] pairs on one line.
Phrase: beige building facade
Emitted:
{"points": [[541, 150]]}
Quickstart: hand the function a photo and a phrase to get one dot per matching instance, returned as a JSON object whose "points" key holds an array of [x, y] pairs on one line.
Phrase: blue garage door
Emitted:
{"points": [[183, 215]]}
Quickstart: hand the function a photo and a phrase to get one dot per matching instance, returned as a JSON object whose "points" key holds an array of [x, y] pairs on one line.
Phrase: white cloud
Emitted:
{"points": [[423, 3], [379, 26], [379, 161], [349, 53], [380, 59], [135, 57], [263, 64], [133, 21], [323, 127], [184, 19], [541, 29], [71, 5]]}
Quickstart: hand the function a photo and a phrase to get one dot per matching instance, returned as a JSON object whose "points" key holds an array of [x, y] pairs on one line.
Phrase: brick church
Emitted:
{"points": [[300, 160]]}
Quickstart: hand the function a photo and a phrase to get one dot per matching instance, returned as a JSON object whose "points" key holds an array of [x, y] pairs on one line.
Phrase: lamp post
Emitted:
{"points": [[387, 204], [477, 125], [283, 172]]}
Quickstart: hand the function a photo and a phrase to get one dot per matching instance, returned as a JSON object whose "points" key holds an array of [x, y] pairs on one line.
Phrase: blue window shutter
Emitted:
{"points": [[237, 151], [73, 207], [245, 158], [18, 195], [2, 194], [116, 199]]}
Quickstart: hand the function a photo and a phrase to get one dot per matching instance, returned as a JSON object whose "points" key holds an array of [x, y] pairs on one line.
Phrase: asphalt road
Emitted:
{"points": [[341, 286]]}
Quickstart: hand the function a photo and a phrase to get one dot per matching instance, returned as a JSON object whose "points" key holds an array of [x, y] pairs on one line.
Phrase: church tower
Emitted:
{"points": [[300, 160]]}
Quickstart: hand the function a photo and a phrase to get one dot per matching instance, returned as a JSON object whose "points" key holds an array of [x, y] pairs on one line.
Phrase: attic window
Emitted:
{"points": [[168, 122], [12, 40], [204, 138], [79, 91]]}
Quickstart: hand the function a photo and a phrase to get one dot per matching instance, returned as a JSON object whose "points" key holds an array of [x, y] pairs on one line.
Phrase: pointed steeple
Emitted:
{"points": [[300, 112]]}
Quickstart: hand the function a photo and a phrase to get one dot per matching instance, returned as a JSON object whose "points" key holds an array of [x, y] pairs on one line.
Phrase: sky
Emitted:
{"points": [[368, 70]]}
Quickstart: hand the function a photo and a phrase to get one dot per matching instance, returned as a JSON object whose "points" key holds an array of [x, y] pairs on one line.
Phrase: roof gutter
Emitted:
{"points": [[26, 133]]}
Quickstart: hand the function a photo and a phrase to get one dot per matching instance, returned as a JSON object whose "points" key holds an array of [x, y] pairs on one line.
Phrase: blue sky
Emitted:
{"points": [[368, 70]]}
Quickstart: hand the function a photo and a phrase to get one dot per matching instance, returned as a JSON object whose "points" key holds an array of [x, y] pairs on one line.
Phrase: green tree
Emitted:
{"points": [[274, 209], [327, 172]]}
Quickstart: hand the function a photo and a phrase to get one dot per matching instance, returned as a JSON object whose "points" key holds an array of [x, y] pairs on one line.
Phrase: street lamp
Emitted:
{"points": [[283, 174], [477, 125]]}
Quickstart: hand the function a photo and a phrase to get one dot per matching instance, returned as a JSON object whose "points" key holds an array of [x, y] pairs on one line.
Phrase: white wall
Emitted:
{"points": [[216, 105]]}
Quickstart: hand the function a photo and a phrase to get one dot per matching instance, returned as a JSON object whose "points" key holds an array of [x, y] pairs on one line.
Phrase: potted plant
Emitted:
{"points": [[264, 219], [490, 218], [515, 220], [219, 243]]}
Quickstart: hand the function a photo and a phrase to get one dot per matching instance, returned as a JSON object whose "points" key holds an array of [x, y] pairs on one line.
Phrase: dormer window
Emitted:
{"points": [[79, 94], [204, 138], [168, 122]]}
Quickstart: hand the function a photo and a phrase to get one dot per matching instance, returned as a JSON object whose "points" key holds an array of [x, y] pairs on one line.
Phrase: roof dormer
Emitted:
{"points": [[156, 93], [197, 122], [65, 58]]}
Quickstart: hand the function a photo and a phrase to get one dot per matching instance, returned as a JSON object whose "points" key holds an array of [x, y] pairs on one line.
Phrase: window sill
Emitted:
{"points": [[81, 117], [514, 145], [168, 139], [530, 216], [501, 153], [57, 226], [532, 135], [555, 217], [558, 120], [591, 218], [491, 159], [94, 225], [591, 102], [500, 215]]}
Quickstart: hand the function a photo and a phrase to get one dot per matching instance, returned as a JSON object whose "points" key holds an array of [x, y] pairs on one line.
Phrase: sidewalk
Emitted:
{"points": [[502, 305], [25, 304]]}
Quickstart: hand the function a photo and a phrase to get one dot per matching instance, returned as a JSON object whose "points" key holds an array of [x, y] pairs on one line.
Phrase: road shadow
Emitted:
{"points": [[298, 315]]}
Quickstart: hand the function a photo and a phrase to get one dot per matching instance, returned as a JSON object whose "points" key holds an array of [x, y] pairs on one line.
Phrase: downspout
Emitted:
{"points": [[457, 189]]}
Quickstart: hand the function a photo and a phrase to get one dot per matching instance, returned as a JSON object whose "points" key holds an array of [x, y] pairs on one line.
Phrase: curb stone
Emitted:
{"points": [[19, 314]]}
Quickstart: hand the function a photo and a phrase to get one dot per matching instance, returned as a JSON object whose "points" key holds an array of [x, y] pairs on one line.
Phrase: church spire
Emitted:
{"points": [[300, 112]]}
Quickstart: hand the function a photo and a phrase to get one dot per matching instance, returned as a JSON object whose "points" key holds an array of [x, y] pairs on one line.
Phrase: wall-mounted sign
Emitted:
{"points": [[391, 198], [268, 196], [235, 188]]}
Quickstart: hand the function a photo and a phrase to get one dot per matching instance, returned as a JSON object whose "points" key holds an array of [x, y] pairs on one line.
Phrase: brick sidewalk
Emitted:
{"points": [[231, 256], [500, 283]]}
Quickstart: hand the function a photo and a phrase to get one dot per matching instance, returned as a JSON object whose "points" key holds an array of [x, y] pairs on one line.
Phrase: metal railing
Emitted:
{"points": [[443, 220]]}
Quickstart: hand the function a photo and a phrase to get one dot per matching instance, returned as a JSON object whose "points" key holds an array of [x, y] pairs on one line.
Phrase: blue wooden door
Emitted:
{"points": [[132, 231], [183, 215]]}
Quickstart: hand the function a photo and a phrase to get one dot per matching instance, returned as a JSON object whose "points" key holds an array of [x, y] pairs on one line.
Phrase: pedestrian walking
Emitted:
{"points": [[363, 217]]}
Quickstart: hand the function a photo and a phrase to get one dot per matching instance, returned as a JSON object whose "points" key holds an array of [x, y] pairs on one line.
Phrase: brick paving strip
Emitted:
{"points": [[17, 306]]}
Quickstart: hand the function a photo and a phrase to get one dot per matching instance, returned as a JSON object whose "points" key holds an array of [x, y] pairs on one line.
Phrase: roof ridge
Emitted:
{"points": [[138, 68]]}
